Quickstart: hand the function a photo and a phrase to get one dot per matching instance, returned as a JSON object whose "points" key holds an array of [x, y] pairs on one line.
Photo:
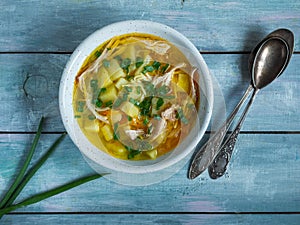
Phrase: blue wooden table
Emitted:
{"points": [[262, 184]]}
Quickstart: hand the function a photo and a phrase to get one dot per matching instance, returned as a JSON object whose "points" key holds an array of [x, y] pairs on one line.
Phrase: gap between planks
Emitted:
{"points": [[157, 213]]}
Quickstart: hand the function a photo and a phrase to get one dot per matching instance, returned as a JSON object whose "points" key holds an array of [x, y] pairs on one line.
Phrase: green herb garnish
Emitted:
{"points": [[118, 102], [164, 68], [134, 101], [106, 63], [128, 89], [138, 62], [118, 58], [99, 103], [148, 69], [146, 121], [138, 90], [80, 106], [156, 65], [159, 103], [97, 53], [125, 64], [149, 88], [157, 117], [91, 117], [132, 152], [145, 106], [109, 103], [162, 90], [181, 116], [94, 83]]}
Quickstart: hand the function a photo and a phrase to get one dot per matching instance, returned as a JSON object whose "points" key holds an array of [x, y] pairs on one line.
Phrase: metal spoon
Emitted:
{"points": [[207, 153], [264, 70]]}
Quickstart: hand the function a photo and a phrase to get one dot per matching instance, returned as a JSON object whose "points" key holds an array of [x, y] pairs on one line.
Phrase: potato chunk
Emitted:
{"points": [[183, 81], [107, 132], [104, 79], [130, 109], [120, 83], [152, 153], [110, 94], [115, 70]]}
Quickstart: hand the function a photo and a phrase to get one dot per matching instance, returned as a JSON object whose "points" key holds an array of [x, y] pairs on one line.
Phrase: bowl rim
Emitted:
{"points": [[74, 63]]}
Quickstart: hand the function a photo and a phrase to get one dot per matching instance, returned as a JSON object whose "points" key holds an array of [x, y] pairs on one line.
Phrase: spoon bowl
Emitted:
{"points": [[270, 61]]}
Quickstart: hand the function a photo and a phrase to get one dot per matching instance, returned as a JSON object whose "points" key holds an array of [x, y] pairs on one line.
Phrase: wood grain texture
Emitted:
{"points": [[60, 25], [154, 219], [264, 176], [29, 86]]}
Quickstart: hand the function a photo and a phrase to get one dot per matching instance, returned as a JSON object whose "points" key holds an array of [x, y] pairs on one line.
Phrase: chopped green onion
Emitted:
{"points": [[134, 101], [138, 90], [157, 117], [162, 90], [159, 103], [128, 89], [181, 116], [138, 62], [129, 77], [102, 90], [118, 58], [109, 103], [99, 103], [91, 117], [97, 54], [80, 106], [149, 88], [148, 69], [133, 153], [145, 106], [156, 65], [164, 68], [94, 83], [146, 121], [106, 63], [125, 64], [129, 118], [118, 102]]}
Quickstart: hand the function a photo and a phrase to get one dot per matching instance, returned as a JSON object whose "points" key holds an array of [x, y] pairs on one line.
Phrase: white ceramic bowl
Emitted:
{"points": [[75, 62]]}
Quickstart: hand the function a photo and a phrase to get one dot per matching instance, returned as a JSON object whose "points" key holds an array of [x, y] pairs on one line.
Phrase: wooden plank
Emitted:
{"points": [[154, 219], [29, 89], [212, 26], [264, 176]]}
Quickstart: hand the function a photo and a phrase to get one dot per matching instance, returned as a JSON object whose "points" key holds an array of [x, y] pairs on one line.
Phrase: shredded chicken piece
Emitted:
{"points": [[133, 134], [167, 77], [170, 113]]}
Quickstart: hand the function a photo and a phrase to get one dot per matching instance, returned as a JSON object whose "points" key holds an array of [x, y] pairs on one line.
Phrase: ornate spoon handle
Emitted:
{"points": [[220, 162], [204, 157]]}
